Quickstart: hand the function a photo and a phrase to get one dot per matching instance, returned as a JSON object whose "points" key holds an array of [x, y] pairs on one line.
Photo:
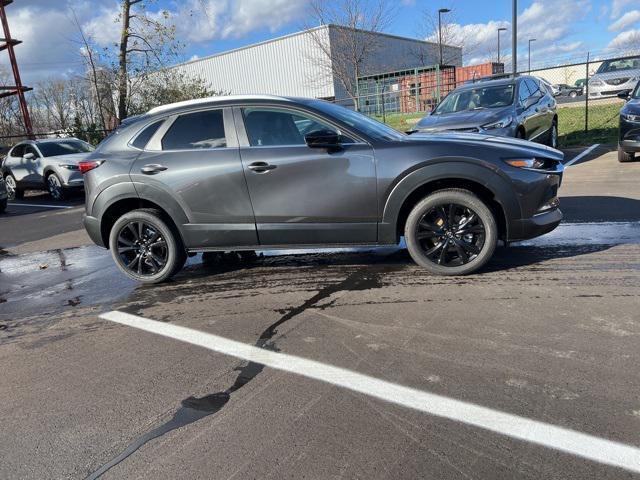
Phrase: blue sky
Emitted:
{"points": [[564, 28]]}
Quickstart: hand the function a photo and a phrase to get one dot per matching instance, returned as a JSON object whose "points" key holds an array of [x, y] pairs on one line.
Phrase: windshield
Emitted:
{"points": [[358, 121], [636, 91], [617, 65], [66, 147], [476, 98]]}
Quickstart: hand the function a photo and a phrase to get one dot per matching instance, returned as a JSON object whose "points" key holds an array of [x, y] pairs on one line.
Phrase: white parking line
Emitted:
{"points": [[582, 155], [36, 205], [570, 441]]}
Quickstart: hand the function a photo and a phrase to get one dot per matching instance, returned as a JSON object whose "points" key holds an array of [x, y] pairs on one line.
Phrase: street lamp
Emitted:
{"points": [[501, 29], [440, 12], [530, 40]]}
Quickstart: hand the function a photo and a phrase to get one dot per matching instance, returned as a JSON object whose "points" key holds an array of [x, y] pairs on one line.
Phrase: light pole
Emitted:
{"points": [[530, 40], [500, 30], [440, 12], [514, 38]]}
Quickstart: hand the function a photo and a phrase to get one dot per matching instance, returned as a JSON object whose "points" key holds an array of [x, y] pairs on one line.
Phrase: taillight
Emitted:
{"points": [[89, 165]]}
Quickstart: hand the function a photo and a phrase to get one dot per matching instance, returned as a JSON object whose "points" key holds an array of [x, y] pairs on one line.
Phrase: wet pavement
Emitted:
{"points": [[548, 331]]}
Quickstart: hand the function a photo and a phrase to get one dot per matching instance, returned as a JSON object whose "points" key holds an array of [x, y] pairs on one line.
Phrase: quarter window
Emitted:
{"points": [[195, 131], [143, 138], [279, 127]]}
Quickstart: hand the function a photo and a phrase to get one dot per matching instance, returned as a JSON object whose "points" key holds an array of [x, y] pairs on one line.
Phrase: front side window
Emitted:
{"points": [[198, 130], [30, 149], [534, 88], [279, 127], [523, 92]]}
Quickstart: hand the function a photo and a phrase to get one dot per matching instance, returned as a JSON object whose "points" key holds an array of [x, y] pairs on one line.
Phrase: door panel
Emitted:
{"points": [[313, 196], [208, 183]]}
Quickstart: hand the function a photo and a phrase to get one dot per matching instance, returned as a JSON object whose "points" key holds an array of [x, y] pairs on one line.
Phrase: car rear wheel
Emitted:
{"points": [[625, 156], [573, 94], [55, 188], [13, 191], [145, 247], [451, 232]]}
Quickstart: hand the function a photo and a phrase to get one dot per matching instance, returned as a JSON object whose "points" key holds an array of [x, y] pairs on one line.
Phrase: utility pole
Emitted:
{"points": [[530, 40], [17, 89], [440, 12], [500, 30], [514, 38]]}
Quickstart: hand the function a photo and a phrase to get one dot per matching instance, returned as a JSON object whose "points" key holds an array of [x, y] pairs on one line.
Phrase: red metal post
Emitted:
{"points": [[18, 89]]}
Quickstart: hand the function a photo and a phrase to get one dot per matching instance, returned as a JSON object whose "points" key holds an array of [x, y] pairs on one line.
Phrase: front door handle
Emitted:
{"points": [[152, 169], [261, 167]]}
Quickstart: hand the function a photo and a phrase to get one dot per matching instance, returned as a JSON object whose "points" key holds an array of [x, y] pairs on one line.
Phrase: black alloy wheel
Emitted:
{"points": [[451, 232], [142, 248]]}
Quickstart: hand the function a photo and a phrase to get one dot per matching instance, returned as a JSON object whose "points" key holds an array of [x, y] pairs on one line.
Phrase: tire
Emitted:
{"points": [[433, 220], [153, 257], [573, 94], [3, 205], [552, 139], [54, 187], [624, 157], [14, 192]]}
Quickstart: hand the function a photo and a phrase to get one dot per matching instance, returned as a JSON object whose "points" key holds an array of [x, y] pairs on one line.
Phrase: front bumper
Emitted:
{"points": [[92, 226], [538, 224], [629, 139], [606, 90]]}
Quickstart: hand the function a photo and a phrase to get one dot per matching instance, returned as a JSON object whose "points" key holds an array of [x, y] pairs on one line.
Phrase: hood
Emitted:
{"points": [[72, 158], [469, 119], [511, 146]]}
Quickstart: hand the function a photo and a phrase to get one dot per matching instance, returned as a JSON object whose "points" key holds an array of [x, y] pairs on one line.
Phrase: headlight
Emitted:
{"points": [[595, 83], [630, 117], [505, 122], [547, 165], [68, 166]]}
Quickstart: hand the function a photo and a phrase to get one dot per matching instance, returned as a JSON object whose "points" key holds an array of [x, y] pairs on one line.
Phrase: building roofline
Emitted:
{"points": [[303, 32]]}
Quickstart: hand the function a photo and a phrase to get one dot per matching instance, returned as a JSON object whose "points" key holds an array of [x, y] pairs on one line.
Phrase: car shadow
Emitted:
{"points": [[598, 209]]}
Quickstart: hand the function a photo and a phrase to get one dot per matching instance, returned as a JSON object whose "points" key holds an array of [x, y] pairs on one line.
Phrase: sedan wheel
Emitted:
{"points": [[573, 94], [54, 185], [145, 248], [451, 232]]}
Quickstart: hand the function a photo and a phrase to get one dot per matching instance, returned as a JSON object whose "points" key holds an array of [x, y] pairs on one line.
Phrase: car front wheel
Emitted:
{"points": [[13, 191], [451, 232], [145, 247], [55, 188]]}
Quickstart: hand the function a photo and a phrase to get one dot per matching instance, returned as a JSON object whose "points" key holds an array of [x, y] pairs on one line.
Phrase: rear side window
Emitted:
{"points": [[143, 138], [196, 131]]}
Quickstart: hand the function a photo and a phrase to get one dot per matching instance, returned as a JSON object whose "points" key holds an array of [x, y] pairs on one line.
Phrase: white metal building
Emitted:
{"points": [[297, 64]]}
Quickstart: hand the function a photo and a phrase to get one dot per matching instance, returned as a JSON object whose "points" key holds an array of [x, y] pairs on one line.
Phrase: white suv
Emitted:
{"points": [[615, 76], [45, 164]]}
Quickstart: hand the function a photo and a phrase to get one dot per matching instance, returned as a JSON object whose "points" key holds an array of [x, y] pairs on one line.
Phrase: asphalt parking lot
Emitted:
{"points": [[527, 370]]}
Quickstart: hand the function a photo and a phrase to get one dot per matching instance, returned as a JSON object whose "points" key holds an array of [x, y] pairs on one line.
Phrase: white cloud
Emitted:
{"points": [[618, 7], [104, 28], [250, 15], [628, 19], [626, 40]]}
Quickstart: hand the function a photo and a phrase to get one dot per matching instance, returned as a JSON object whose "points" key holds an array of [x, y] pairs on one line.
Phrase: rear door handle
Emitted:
{"points": [[152, 169], [261, 167]]}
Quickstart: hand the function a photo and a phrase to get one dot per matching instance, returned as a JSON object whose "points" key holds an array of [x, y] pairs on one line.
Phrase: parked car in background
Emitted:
{"points": [[521, 108], [581, 82], [4, 195], [248, 172], [629, 136], [614, 77], [565, 90], [553, 89], [50, 164]]}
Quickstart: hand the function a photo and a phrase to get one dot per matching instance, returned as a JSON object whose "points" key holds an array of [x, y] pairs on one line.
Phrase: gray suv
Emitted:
{"points": [[523, 108], [260, 172]]}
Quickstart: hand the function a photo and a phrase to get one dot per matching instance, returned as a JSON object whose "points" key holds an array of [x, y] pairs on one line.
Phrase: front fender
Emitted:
{"points": [[485, 174]]}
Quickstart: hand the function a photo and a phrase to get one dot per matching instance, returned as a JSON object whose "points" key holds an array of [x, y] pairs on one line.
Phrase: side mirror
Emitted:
{"points": [[29, 156], [624, 95], [323, 139]]}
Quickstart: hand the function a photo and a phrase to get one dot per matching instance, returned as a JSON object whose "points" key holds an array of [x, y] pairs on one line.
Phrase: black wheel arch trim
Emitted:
{"points": [[470, 170]]}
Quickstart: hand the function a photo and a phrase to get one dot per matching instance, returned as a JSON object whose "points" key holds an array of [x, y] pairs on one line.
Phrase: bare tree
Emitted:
{"points": [[349, 45], [146, 43]]}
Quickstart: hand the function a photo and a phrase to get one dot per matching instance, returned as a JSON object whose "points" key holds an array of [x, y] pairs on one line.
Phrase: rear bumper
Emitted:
{"points": [[92, 225], [538, 224]]}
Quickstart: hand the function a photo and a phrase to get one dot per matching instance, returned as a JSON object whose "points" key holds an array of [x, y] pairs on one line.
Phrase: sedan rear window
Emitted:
{"points": [[65, 147]]}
